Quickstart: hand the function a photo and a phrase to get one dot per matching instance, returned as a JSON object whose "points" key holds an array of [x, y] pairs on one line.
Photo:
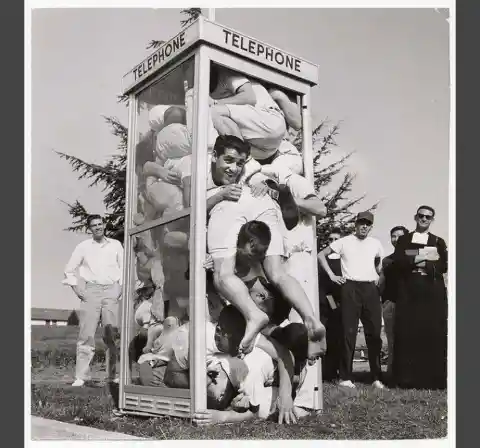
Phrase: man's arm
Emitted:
{"points": [[322, 258], [71, 270], [120, 262], [290, 109], [212, 417], [311, 205]]}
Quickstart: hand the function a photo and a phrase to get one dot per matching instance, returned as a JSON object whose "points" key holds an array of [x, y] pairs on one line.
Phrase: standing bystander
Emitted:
{"points": [[388, 286], [360, 258], [98, 264], [330, 312]]}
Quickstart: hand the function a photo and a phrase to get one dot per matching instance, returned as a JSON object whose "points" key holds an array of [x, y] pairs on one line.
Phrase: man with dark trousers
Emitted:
{"points": [[361, 260], [330, 313], [388, 286]]}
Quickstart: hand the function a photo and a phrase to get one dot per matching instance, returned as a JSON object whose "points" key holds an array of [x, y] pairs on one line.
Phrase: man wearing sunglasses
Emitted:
{"points": [[360, 259], [420, 348]]}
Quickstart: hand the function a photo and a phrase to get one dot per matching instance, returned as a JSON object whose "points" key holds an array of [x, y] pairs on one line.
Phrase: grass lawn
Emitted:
{"points": [[365, 413]]}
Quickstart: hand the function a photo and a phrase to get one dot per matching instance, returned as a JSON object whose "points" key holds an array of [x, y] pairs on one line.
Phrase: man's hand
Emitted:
{"points": [[259, 189], [241, 402], [286, 411], [207, 417], [171, 177], [232, 192], [208, 265], [337, 279], [79, 292]]}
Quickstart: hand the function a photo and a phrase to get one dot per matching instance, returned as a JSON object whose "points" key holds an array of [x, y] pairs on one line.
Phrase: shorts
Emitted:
{"points": [[226, 220], [263, 127]]}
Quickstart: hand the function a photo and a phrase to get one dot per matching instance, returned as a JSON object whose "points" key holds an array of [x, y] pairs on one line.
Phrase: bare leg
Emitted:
{"points": [[295, 295], [235, 291], [154, 331], [222, 122]]}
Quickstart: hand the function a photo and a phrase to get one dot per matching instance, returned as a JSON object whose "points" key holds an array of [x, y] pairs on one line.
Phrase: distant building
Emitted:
{"points": [[52, 317]]}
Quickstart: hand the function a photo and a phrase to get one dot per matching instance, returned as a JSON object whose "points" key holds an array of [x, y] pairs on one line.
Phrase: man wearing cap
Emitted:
{"points": [[360, 259]]}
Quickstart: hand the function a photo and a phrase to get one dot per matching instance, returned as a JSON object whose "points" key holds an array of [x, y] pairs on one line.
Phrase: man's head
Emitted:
{"points": [[335, 234], [396, 233], [424, 217], [229, 157], [229, 330], [224, 376], [253, 240], [363, 224], [96, 225]]}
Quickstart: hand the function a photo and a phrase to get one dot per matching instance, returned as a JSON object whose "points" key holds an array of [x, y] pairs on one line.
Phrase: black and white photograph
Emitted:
{"points": [[241, 223]]}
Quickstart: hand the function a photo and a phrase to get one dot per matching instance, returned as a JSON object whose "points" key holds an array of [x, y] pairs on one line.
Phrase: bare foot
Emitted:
{"points": [[316, 330], [254, 326]]}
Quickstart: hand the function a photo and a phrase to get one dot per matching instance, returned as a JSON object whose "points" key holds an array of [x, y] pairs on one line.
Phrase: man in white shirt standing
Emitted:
{"points": [[360, 259], [98, 264]]}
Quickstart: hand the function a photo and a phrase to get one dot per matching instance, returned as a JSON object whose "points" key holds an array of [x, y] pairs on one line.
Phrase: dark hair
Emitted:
{"points": [[396, 228], [224, 402], [175, 114], [336, 230], [426, 207], [230, 141], [232, 320], [91, 218], [256, 232]]}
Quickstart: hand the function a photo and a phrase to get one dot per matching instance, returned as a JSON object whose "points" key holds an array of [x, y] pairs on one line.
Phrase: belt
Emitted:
{"points": [[419, 272], [361, 281]]}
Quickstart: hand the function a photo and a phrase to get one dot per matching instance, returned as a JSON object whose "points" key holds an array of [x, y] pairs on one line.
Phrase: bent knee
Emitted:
{"points": [[110, 334]]}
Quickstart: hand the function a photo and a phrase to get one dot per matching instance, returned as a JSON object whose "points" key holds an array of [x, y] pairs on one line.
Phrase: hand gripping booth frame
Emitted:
{"points": [[203, 42]]}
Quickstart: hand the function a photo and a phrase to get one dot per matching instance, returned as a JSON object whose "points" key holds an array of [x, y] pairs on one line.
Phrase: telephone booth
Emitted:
{"points": [[165, 225]]}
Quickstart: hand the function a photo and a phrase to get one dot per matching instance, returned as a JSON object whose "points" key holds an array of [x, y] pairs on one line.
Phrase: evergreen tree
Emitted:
{"points": [[112, 176]]}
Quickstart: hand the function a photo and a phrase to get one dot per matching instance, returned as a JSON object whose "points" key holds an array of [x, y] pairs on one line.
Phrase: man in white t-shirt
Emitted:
{"points": [[244, 108], [360, 259]]}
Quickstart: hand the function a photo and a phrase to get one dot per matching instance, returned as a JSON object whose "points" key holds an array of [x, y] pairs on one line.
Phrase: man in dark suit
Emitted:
{"points": [[388, 285], [330, 314]]}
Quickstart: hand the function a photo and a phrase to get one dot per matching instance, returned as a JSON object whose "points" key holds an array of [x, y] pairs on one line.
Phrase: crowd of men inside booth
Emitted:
{"points": [[264, 338]]}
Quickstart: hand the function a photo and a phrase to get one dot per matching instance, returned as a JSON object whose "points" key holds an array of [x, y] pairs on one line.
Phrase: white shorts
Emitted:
{"points": [[227, 217], [261, 126]]}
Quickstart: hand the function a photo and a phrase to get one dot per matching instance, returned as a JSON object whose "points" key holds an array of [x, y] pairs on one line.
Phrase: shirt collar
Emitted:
{"points": [[105, 241]]}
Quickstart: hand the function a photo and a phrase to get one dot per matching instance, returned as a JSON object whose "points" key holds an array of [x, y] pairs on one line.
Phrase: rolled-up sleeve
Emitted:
{"points": [[70, 271]]}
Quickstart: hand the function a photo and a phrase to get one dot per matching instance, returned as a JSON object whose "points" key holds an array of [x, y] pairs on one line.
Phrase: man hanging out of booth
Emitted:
{"points": [[230, 206], [246, 109], [245, 387]]}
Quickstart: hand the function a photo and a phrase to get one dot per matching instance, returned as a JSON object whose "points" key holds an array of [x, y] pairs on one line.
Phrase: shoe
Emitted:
{"points": [[117, 412], [347, 383], [78, 383], [378, 384]]}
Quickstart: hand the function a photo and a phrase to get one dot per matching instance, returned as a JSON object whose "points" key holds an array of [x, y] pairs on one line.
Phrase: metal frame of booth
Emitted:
{"points": [[206, 42]]}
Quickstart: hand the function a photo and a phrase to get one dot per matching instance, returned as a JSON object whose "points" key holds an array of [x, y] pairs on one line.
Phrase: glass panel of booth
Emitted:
{"points": [[159, 228], [163, 137]]}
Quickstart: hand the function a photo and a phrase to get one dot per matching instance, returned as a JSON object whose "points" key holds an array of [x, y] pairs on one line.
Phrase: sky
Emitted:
{"points": [[384, 73]]}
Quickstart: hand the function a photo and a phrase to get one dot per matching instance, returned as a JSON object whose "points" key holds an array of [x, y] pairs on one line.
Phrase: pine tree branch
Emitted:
{"points": [[192, 15]]}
